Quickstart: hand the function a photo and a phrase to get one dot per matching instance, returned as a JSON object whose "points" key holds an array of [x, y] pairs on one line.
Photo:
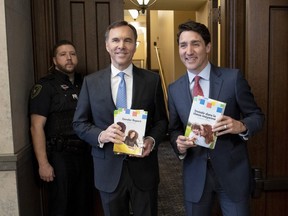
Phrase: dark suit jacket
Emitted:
{"points": [[230, 157], [94, 114]]}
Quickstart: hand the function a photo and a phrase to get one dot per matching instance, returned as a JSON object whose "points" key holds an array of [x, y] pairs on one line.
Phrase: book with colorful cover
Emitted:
{"points": [[133, 124], [203, 115]]}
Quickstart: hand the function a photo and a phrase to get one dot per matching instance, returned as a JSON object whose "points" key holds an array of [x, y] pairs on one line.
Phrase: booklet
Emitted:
{"points": [[203, 115], [133, 124]]}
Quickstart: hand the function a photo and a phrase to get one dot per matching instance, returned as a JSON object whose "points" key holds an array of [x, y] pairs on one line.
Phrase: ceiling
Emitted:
{"points": [[180, 5]]}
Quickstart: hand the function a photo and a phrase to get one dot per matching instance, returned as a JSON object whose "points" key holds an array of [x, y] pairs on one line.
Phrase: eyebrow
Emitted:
{"points": [[193, 41]]}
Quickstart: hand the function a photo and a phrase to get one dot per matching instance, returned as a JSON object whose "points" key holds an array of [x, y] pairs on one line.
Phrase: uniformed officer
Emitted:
{"points": [[63, 159]]}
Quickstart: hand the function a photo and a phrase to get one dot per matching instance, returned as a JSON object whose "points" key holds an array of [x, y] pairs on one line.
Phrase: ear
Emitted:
{"points": [[208, 47], [107, 47], [135, 48], [54, 60]]}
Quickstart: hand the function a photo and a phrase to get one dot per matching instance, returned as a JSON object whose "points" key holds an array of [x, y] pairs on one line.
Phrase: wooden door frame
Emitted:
{"points": [[213, 21], [43, 26], [233, 27]]}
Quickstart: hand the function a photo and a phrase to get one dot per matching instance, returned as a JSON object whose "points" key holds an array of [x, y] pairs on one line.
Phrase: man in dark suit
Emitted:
{"points": [[224, 171], [120, 178]]}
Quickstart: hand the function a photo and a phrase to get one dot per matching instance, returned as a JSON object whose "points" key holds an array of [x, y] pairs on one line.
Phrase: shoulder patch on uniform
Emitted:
{"points": [[36, 90]]}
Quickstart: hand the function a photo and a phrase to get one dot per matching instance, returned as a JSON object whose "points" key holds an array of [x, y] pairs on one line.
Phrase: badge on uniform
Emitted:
{"points": [[74, 96], [36, 90], [64, 87]]}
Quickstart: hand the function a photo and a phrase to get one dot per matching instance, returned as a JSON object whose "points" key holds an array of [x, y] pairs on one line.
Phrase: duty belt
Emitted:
{"points": [[62, 144]]}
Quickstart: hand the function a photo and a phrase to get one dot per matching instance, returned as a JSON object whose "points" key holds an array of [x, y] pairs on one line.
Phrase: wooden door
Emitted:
{"points": [[267, 71], [84, 23], [254, 38]]}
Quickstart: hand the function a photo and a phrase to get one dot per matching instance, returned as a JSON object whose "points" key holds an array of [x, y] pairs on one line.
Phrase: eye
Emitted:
{"points": [[182, 45], [196, 44], [115, 40], [128, 40]]}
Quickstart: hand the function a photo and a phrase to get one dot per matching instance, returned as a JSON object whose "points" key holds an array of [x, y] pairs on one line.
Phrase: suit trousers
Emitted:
{"points": [[213, 190], [117, 203]]}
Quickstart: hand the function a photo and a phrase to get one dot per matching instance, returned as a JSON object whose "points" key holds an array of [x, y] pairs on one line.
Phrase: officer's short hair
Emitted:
{"points": [[60, 43]]}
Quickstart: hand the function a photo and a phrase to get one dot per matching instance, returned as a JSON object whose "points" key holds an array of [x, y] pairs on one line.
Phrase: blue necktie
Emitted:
{"points": [[121, 100]]}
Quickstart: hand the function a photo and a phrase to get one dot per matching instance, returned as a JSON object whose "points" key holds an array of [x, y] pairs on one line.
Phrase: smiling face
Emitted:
{"points": [[132, 134], [121, 46], [193, 51], [196, 131]]}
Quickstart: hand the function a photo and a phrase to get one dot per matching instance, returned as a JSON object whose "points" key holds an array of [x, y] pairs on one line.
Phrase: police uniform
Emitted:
{"points": [[55, 97]]}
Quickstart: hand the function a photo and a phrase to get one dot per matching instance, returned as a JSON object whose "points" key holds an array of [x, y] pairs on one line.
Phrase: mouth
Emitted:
{"points": [[191, 59], [120, 54], [69, 65]]}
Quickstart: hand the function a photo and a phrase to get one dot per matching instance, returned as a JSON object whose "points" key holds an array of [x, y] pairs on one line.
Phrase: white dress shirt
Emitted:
{"points": [[204, 81], [115, 80]]}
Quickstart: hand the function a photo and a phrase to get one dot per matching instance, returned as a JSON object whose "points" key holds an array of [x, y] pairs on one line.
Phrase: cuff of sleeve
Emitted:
{"points": [[152, 140], [100, 145], [182, 156], [244, 134]]}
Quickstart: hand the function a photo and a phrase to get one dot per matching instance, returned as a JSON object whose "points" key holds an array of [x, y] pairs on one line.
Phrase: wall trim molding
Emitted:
{"points": [[11, 162]]}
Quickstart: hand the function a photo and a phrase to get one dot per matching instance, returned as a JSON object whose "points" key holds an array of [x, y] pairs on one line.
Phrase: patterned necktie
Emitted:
{"points": [[121, 100], [197, 90]]}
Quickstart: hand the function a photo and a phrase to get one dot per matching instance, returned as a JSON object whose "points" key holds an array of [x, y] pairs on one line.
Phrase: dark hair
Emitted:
{"points": [[123, 126], [135, 136], [195, 126], [119, 24], [208, 133], [60, 43], [196, 27]]}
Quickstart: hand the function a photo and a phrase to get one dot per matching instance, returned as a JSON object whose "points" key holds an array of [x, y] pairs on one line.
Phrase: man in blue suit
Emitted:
{"points": [[119, 178], [223, 172]]}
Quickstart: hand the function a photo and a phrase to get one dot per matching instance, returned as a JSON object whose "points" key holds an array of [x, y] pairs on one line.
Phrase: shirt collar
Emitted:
{"points": [[127, 71], [61, 74], [204, 74]]}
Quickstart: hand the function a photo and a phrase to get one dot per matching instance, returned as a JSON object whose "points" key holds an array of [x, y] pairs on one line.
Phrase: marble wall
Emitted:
{"points": [[17, 180], [8, 194], [6, 139]]}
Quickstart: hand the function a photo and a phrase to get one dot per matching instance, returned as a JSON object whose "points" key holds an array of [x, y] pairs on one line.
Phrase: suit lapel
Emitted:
{"points": [[105, 87], [185, 88], [215, 83], [139, 84]]}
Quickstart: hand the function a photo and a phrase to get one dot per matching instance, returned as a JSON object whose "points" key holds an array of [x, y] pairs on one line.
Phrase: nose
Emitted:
{"points": [[190, 49], [69, 56], [121, 44]]}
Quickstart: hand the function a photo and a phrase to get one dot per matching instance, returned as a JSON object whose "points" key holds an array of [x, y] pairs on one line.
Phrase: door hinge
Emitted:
{"points": [[216, 14]]}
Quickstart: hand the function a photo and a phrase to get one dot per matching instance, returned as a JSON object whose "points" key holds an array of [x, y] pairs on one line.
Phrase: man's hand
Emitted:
{"points": [[46, 172], [112, 134], [183, 143], [148, 145], [226, 124]]}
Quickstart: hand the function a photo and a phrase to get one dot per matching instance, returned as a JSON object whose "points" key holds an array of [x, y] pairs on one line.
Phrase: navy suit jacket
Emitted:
{"points": [[94, 113], [230, 156]]}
